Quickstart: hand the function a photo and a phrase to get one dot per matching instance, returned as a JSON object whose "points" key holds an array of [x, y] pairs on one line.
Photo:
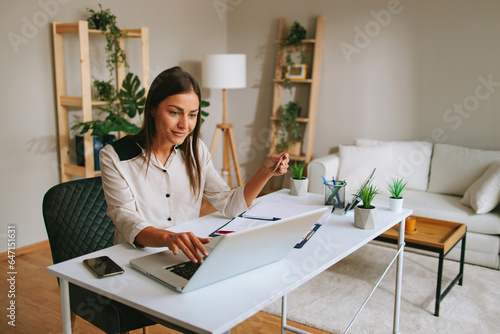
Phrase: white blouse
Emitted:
{"points": [[163, 197]]}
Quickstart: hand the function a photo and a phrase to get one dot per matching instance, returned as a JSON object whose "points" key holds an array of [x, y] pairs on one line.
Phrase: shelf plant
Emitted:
{"points": [[105, 21], [290, 131], [105, 89], [298, 183], [293, 42], [131, 101]]}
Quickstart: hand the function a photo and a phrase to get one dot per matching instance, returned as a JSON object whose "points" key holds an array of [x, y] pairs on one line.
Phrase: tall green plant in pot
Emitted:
{"points": [[298, 183], [120, 106], [129, 101], [396, 188], [365, 215]]}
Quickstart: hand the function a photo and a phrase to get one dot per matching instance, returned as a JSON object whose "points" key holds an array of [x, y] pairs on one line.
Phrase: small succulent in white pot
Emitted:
{"points": [[298, 183], [396, 188]]}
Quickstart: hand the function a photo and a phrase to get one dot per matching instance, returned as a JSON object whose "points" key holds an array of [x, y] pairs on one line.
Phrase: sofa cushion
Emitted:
{"points": [[447, 207], [328, 166], [358, 162], [455, 168], [410, 160], [484, 194]]}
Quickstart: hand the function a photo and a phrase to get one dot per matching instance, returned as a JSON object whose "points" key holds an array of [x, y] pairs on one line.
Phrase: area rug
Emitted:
{"points": [[330, 301]]}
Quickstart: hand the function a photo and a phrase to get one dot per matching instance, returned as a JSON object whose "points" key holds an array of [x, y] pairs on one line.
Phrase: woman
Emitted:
{"points": [[157, 178]]}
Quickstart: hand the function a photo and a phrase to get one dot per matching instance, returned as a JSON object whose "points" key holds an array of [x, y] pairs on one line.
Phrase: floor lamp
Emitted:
{"points": [[225, 71]]}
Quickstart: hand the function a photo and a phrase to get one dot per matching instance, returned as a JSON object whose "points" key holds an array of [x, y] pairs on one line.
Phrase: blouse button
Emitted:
{"points": [[169, 219], [168, 195]]}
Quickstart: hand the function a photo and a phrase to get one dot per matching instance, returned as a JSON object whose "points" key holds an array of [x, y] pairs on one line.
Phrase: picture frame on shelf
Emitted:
{"points": [[296, 71]]}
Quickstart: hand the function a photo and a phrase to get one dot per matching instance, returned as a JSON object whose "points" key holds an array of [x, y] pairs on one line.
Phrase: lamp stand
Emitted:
{"points": [[229, 146]]}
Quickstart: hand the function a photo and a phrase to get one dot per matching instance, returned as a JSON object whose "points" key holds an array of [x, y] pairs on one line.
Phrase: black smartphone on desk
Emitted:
{"points": [[103, 266]]}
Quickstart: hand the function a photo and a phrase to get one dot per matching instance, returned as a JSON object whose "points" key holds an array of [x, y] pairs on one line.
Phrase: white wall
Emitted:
{"points": [[400, 85], [403, 82]]}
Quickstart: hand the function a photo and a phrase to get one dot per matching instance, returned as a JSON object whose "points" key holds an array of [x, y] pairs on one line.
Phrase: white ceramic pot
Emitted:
{"points": [[395, 204], [365, 218], [298, 187]]}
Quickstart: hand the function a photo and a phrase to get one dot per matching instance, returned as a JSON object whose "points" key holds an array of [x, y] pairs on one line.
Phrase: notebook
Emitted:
{"points": [[230, 254]]}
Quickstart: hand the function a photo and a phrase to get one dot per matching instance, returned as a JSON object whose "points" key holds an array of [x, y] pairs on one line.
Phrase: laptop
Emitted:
{"points": [[229, 254]]}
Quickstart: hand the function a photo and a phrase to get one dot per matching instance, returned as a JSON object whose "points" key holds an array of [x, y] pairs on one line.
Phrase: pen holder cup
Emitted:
{"points": [[335, 194]]}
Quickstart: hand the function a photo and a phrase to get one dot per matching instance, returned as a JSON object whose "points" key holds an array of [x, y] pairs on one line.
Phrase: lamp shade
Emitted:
{"points": [[224, 71]]}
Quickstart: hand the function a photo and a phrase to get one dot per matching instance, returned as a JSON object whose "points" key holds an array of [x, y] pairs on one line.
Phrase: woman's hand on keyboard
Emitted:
{"points": [[186, 242]]}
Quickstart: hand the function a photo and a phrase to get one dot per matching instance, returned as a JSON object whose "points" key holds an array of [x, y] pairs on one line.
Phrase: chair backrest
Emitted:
{"points": [[75, 218]]}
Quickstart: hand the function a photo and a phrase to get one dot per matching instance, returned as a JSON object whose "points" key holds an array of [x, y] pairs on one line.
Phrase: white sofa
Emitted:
{"points": [[444, 182]]}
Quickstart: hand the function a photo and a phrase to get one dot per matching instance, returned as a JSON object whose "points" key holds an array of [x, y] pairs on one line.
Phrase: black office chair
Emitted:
{"points": [[76, 223]]}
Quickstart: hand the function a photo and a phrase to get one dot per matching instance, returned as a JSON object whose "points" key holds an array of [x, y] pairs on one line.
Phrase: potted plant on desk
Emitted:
{"points": [[298, 183], [365, 215], [396, 189]]}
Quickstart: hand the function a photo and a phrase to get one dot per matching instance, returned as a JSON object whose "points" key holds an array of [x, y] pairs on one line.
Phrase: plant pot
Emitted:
{"points": [[395, 204], [299, 187], [365, 218], [99, 143]]}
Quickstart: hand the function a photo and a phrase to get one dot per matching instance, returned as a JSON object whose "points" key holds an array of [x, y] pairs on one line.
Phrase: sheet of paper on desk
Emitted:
{"points": [[240, 224], [267, 209]]}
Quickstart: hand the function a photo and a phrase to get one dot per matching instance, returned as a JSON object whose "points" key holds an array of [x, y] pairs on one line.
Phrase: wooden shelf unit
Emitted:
{"points": [[85, 101], [309, 114]]}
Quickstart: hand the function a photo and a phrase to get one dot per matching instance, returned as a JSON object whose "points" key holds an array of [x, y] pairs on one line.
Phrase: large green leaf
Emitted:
{"points": [[112, 123], [203, 112], [131, 96]]}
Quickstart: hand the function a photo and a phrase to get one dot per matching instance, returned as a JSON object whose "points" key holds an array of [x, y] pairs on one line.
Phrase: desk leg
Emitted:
{"points": [[399, 276], [284, 326], [283, 315], [65, 308]]}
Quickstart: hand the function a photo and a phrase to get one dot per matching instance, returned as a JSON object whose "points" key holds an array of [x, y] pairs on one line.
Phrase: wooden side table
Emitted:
{"points": [[437, 236]]}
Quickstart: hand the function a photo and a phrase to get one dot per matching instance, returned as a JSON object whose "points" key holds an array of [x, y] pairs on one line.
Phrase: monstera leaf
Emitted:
{"points": [[131, 96]]}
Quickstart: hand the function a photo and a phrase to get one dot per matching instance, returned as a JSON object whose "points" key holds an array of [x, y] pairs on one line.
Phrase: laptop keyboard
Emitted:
{"points": [[184, 269]]}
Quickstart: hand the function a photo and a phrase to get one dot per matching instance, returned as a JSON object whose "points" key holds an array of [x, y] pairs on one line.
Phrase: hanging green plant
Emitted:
{"points": [[296, 35], [105, 21], [290, 131]]}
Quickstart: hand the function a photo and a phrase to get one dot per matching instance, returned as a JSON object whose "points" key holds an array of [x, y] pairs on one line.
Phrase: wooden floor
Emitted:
{"points": [[38, 306]]}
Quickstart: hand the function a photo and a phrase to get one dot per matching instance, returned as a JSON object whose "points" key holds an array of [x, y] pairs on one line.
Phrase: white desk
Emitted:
{"points": [[219, 307]]}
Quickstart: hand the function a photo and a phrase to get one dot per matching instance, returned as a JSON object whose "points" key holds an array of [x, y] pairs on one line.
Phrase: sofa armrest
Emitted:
{"points": [[328, 166]]}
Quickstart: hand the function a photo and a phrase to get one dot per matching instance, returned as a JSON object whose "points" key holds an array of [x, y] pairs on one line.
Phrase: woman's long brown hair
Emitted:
{"points": [[171, 82]]}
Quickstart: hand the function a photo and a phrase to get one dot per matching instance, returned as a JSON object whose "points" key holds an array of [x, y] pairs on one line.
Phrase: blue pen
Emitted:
{"points": [[326, 182]]}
